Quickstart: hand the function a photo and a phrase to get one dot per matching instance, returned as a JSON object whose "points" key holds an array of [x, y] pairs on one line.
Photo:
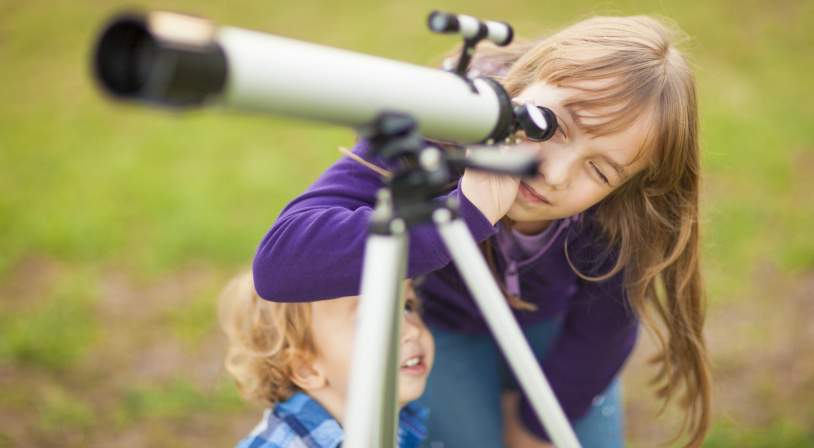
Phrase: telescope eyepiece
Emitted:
{"points": [[537, 122]]}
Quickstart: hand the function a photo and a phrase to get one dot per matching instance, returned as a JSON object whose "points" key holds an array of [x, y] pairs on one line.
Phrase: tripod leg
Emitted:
{"points": [[493, 306], [371, 419]]}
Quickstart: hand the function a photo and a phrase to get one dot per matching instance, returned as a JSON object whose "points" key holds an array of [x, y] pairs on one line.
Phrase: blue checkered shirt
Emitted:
{"points": [[301, 422]]}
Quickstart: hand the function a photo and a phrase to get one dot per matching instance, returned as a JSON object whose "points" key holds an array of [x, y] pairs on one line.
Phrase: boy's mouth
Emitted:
{"points": [[414, 365]]}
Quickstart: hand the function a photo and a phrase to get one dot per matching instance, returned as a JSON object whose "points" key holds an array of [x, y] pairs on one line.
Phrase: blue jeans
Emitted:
{"points": [[465, 385]]}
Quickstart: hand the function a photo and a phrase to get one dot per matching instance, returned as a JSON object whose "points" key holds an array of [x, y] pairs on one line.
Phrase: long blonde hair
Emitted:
{"points": [[652, 220]]}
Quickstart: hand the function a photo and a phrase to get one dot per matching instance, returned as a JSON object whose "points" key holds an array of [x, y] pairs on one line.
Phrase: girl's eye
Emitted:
{"points": [[561, 129], [600, 174]]}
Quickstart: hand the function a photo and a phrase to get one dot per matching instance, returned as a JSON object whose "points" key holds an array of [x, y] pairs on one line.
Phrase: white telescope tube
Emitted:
{"points": [[178, 60]]}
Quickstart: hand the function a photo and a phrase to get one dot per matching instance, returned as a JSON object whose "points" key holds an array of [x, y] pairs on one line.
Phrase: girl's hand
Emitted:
{"points": [[515, 433], [492, 194]]}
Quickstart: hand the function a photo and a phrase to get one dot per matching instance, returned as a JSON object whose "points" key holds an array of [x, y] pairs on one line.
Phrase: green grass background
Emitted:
{"points": [[119, 224]]}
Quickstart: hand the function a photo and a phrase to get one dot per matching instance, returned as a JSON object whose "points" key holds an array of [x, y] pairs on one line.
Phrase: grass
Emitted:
{"points": [[92, 188], [55, 332], [776, 435]]}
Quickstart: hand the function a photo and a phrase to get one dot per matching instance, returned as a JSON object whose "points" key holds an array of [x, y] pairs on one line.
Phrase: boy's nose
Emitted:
{"points": [[409, 329]]}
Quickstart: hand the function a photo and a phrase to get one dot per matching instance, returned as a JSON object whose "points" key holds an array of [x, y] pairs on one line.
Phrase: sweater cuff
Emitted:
{"points": [[480, 227]]}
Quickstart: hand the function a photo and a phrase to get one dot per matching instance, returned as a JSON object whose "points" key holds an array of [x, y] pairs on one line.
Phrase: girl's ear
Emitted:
{"points": [[306, 373]]}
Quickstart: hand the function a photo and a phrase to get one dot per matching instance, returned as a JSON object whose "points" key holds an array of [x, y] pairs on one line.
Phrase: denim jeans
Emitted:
{"points": [[465, 385]]}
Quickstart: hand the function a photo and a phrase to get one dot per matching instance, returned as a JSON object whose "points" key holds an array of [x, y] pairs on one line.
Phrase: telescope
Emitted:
{"points": [[181, 61]]}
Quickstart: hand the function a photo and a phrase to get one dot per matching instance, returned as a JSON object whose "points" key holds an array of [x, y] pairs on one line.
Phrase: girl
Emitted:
{"points": [[605, 236]]}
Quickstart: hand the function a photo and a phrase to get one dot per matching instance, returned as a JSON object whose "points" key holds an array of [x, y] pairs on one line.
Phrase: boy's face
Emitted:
{"points": [[333, 329]]}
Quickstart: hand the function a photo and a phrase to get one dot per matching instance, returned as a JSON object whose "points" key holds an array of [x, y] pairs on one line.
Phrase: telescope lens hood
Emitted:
{"points": [[162, 58]]}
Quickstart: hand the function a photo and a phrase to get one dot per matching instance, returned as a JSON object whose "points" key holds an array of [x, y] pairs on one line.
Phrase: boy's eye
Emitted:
{"points": [[410, 306]]}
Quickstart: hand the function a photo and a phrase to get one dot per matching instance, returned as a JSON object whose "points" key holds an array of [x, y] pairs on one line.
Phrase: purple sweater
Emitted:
{"points": [[314, 251]]}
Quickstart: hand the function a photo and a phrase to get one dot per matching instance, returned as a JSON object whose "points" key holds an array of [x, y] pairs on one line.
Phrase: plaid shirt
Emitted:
{"points": [[301, 422]]}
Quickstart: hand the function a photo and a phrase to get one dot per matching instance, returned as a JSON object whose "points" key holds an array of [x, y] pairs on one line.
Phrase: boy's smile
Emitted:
{"points": [[333, 329]]}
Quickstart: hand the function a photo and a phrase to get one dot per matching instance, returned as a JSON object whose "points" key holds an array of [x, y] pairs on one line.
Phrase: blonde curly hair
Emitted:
{"points": [[265, 340]]}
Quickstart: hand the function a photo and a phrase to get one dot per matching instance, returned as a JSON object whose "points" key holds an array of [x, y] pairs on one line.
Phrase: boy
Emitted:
{"points": [[295, 357]]}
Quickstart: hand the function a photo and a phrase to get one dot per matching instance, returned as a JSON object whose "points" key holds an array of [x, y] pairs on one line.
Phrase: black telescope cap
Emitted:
{"points": [[133, 61], [125, 55]]}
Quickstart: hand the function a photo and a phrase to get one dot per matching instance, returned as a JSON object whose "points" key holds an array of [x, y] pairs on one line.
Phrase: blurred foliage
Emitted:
{"points": [[94, 190]]}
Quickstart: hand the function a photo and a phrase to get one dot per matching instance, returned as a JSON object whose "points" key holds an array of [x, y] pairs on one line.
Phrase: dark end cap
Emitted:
{"points": [[509, 36], [442, 22], [505, 117], [132, 62]]}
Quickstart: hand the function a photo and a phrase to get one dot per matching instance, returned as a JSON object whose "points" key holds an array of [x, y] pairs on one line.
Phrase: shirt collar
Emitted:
{"points": [[319, 428], [312, 422], [412, 425]]}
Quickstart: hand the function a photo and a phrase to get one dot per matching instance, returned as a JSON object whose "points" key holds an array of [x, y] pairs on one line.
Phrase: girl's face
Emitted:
{"points": [[577, 170]]}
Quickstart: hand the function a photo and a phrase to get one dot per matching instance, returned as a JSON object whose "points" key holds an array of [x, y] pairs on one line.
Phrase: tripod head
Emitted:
{"points": [[427, 168]]}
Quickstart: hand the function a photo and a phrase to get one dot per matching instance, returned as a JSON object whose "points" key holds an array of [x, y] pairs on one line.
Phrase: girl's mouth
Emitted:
{"points": [[530, 195]]}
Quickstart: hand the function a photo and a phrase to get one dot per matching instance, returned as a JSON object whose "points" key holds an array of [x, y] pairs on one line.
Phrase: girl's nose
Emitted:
{"points": [[555, 169]]}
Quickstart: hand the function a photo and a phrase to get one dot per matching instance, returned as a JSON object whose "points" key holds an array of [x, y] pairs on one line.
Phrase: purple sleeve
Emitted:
{"points": [[314, 250], [598, 335]]}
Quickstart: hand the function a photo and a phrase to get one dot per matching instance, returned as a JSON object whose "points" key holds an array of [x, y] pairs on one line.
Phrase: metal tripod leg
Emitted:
{"points": [[371, 419], [493, 306]]}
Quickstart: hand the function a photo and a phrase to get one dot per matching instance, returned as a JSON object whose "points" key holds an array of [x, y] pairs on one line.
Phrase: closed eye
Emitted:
{"points": [[561, 129], [600, 174]]}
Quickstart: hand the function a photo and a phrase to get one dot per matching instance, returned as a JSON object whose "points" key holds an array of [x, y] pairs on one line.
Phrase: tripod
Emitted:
{"points": [[405, 201]]}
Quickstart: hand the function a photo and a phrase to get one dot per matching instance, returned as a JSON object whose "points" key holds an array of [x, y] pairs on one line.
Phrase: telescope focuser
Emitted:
{"points": [[473, 31]]}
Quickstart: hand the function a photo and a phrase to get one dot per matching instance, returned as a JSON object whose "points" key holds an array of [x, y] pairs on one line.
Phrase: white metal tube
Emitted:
{"points": [[370, 417], [175, 60], [279, 75]]}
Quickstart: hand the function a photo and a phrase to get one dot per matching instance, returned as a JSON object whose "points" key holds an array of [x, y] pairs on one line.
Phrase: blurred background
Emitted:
{"points": [[120, 224]]}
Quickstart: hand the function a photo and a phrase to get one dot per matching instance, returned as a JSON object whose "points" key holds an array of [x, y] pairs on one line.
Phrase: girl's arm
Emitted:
{"points": [[314, 250]]}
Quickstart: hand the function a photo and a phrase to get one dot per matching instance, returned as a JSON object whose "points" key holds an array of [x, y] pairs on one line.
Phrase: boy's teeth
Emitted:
{"points": [[411, 362]]}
